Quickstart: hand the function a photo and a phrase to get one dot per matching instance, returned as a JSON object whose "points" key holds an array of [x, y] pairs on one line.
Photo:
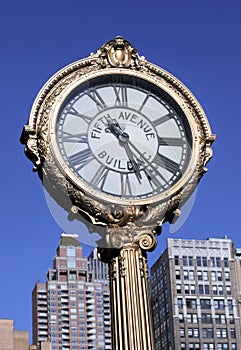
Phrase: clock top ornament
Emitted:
{"points": [[120, 141]]}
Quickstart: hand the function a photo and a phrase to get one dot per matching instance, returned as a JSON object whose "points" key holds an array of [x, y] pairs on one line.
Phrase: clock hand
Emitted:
{"points": [[147, 161]]}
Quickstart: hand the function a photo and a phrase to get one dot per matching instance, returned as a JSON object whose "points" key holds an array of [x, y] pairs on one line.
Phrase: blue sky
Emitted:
{"points": [[197, 41]]}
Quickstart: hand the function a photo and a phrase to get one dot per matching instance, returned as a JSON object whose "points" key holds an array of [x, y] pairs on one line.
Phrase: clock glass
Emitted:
{"points": [[123, 136]]}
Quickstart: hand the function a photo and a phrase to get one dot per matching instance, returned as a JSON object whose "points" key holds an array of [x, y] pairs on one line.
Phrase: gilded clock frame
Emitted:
{"points": [[117, 56]]}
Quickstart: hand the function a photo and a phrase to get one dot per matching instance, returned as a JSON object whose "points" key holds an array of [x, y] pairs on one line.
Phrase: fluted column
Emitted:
{"points": [[132, 327]]}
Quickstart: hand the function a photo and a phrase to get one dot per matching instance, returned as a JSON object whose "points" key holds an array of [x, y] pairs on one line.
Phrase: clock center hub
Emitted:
{"points": [[122, 139]]}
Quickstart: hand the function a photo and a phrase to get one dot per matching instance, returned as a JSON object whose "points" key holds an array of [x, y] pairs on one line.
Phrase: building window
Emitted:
{"points": [[208, 346], [191, 275], [199, 275], [193, 333], [207, 333], [205, 262], [228, 290], [178, 276], [181, 318], [186, 288], [226, 262], [213, 275], [194, 346], [215, 290], [219, 304], [192, 318], [207, 318], [180, 303], [182, 332], [191, 303], [220, 319], [184, 260], [205, 303], [200, 289], [221, 332], [231, 319], [179, 289], [222, 346], [218, 262], [227, 276], [205, 275], [185, 275], [230, 304], [183, 346], [234, 346], [219, 276], [198, 259], [176, 259], [212, 261], [232, 333], [220, 290], [190, 260], [192, 288]]}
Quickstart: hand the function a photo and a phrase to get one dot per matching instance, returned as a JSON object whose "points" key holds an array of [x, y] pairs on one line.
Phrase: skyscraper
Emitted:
{"points": [[11, 339], [72, 309], [195, 290]]}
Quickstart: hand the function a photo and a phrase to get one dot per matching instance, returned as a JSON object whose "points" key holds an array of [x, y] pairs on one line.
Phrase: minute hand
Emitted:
{"points": [[147, 161]]}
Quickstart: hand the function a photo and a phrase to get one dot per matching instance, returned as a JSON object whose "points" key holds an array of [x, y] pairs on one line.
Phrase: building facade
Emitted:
{"points": [[11, 339], [195, 290], [72, 309]]}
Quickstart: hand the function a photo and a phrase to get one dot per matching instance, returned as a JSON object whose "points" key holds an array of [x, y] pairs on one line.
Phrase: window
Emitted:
{"points": [[212, 261], [185, 275], [184, 260], [226, 262], [186, 288], [220, 290], [219, 304], [207, 333], [178, 277], [230, 304], [218, 261], [179, 289], [71, 251], [193, 332], [181, 318], [199, 275], [213, 276], [194, 346], [227, 276], [232, 333], [190, 261], [220, 319], [207, 318], [198, 259], [205, 263], [222, 346], [221, 332], [215, 290], [192, 318], [234, 346], [208, 346], [205, 275], [205, 303], [180, 303], [182, 332], [228, 290], [192, 288], [191, 303], [191, 276], [219, 276], [231, 319], [200, 289], [183, 346], [176, 259]]}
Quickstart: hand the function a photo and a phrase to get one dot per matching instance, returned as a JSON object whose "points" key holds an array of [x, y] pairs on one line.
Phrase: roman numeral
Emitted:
{"points": [[170, 141], [79, 159], [144, 102], [77, 138], [121, 95], [166, 163], [95, 96], [125, 185], [164, 118], [74, 112], [100, 177]]}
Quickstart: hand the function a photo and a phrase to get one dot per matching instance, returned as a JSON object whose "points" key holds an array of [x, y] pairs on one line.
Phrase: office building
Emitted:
{"points": [[72, 309], [195, 290]]}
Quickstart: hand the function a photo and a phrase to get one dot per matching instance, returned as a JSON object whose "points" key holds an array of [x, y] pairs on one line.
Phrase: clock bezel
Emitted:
{"points": [[102, 196]]}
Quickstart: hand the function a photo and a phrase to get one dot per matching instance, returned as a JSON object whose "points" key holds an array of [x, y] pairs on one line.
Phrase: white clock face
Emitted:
{"points": [[123, 136]]}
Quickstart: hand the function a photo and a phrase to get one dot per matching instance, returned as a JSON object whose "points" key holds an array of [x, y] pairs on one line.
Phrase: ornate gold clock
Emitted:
{"points": [[124, 143], [122, 138]]}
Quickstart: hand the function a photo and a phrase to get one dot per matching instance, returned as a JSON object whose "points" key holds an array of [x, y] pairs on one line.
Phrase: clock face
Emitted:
{"points": [[122, 136]]}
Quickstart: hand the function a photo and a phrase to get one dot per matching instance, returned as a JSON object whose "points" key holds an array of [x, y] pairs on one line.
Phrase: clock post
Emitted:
{"points": [[122, 144]]}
